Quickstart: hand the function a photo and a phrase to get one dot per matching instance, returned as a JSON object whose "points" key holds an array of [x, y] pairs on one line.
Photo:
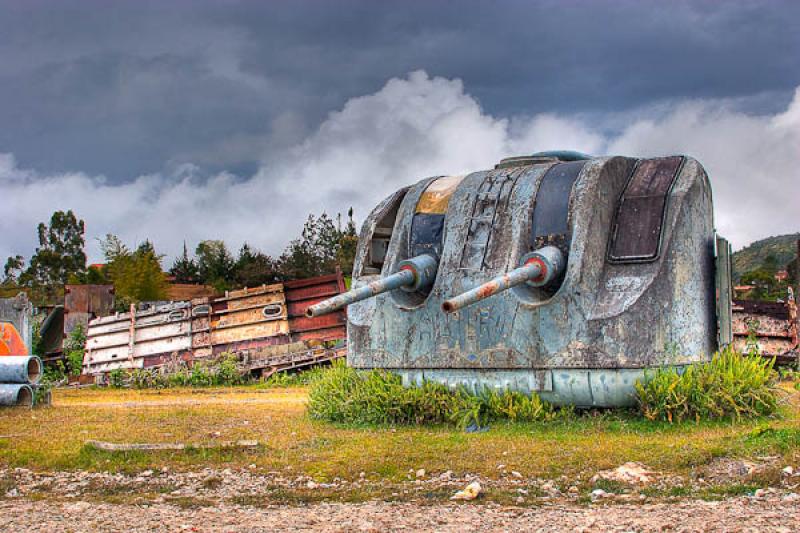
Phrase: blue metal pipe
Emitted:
{"points": [[20, 369], [16, 394]]}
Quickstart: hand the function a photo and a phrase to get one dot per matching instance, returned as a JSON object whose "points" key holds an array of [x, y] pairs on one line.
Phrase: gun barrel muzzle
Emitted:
{"points": [[395, 281], [538, 268]]}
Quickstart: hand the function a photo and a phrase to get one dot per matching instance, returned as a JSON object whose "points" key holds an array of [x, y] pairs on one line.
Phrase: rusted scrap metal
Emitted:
{"points": [[240, 322], [17, 312], [640, 260], [769, 327]]}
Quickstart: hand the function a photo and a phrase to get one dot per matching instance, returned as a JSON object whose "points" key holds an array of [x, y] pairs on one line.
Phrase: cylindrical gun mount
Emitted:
{"points": [[413, 274], [16, 394], [20, 369], [538, 269]]}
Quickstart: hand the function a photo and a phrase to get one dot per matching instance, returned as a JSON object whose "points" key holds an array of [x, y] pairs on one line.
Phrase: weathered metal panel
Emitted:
{"points": [[18, 312], [724, 291], [300, 294], [770, 327], [637, 229], [600, 326], [239, 322], [85, 302]]}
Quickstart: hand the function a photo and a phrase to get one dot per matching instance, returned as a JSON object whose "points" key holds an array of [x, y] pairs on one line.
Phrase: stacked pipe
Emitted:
{"points": [[19, 376]]}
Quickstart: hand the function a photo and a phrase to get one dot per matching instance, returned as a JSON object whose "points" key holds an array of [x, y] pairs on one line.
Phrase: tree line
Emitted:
{"points": [[137, 273]]}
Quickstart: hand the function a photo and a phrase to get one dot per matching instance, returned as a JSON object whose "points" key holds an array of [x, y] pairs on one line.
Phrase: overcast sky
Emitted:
{"points": [[182, 121]]}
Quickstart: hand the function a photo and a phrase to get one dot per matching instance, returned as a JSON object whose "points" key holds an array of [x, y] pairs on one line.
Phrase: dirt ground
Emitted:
{"points": [[738, 514]]}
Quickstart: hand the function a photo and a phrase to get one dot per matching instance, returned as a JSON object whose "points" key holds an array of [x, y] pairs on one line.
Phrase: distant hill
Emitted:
{"points": [[783, 247]]}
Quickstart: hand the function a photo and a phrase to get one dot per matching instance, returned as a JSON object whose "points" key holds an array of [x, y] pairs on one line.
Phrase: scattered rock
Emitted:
{"points": [[470, 492], [788, 471], [420, 473], [516, 474], [629, 473], [598, 494]]}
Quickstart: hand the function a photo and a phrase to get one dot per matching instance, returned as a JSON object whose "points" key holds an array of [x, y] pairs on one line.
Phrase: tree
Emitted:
{"points": [[59, 256], [215, 264], [137, 276], [184, 269], [254, 268], [321, 248], [13, 269]]}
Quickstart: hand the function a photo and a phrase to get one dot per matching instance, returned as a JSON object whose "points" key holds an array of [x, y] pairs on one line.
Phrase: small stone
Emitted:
{"points": [[520, 499], [311, 485], [146, 473], [501, 467], [420, 473], [516, 474], [791, 497], [573, 490], [788, 471], [760, 493], [598, 494], [470, 492]]}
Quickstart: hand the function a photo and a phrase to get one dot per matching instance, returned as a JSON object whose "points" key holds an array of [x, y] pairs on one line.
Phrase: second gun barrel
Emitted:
{"points": [[493, 286], [399, 279]]}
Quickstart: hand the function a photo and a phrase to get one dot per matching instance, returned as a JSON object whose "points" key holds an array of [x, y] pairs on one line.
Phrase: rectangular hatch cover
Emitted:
{"points": [[636, 234]]}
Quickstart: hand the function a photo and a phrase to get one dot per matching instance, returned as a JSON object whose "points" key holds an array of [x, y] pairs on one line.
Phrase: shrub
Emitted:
{"points": [[116, 378], [73, 350], [345, 395], [731, 385]]}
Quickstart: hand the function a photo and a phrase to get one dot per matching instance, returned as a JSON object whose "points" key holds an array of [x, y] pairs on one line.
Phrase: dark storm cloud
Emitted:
{"points": [[125, 89]]}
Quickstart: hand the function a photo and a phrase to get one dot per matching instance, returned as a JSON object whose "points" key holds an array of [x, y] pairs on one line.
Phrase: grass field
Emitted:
{"points": [[53, 438]]}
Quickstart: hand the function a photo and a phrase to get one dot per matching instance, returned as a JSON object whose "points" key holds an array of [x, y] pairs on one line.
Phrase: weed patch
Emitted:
{"points": [[731, 385], [377, 397]]}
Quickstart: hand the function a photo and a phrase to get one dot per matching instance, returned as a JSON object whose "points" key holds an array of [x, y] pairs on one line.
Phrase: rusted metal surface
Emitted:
{"points": [[769, 327], [596, 330], [243, 322], [85, 302], [18, 312]]}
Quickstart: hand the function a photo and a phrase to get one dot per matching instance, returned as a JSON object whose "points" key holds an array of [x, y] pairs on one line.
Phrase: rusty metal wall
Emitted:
{"points": [[774, 326], [246, 321], [85, 302]]}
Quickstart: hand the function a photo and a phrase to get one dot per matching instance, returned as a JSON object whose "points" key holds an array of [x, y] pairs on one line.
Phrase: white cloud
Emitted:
{"points": [[413, 127]]}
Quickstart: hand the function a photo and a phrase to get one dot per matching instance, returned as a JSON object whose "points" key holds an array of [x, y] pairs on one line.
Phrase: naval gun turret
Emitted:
{"points": [[556, 273]]}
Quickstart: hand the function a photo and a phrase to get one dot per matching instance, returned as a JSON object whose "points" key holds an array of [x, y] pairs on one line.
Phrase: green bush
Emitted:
{"points": [[345, 395], [74, 347], [221, 371], [731, 385], [116, 378]]}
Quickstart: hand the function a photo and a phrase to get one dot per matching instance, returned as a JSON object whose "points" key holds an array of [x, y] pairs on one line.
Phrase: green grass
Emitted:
{"points": [[731, 385], [376, 397]]}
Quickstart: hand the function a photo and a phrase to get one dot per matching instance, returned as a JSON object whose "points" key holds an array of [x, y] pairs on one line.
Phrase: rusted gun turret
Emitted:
{"points": [[413, 275], [557, 273]]}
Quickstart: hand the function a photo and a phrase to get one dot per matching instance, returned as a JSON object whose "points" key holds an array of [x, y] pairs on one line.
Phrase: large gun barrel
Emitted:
{"points": [[538, 269], [413, 274]]}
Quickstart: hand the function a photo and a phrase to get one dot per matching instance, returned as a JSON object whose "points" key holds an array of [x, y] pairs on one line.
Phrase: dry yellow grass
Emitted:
{"points": [[54, 438]]}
